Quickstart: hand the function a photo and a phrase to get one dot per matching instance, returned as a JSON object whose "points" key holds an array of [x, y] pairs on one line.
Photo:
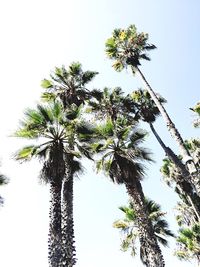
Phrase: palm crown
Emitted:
{"points": [[109, 103], [121, 151], [128, 47], [68, 84], [55, 131], [129, 226], [145, 107]]}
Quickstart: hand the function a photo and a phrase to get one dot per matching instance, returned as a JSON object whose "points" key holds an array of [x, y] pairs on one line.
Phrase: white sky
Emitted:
{"points": [[38, 35]]}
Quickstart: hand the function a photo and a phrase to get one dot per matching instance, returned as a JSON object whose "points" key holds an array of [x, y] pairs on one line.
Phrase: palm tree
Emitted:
{"points": [[68, 84], [188, 243], [121, 160], [52, 130], [127, 47], [129, 226]]}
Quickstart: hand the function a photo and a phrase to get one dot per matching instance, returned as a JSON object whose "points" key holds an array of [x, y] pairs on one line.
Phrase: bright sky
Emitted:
{"points": [[38, 35]]}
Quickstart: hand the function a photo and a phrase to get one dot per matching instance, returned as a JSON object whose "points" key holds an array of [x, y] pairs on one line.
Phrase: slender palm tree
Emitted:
{"points": [[129, 227], [127, 47], [68, 84], [121, 160], [52, 129], [188, 243]]}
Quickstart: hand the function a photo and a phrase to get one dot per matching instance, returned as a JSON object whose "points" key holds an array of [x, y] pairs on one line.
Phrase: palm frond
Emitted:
{"points": [[26, 153]]}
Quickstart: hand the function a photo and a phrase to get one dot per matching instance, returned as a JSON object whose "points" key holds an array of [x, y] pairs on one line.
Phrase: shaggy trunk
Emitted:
{"points": [[54, 242], [172, 129], [150, 252], [68, 247], [183, 181]]}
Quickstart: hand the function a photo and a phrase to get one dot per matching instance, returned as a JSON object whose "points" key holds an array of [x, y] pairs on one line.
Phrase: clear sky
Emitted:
{"points": [[38, 35]]}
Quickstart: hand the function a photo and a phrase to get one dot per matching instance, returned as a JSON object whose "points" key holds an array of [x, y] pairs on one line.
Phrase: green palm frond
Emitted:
{"points": [[46, 84], [121, 224], [46, 113], [48, 97], [88, 76], [99, 165], [106, 129], [26, 153], [137, 137], [26, 133], [96, 147]]}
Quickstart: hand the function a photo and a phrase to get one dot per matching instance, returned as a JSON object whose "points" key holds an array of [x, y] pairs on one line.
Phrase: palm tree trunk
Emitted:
{"points": [[184, 173], [170, 154], [150, 252], [171, 128], [54, 242], [69, 251]]}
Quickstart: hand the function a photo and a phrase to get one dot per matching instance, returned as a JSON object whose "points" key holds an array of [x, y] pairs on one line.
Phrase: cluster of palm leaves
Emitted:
{"points": [[61, 134]]}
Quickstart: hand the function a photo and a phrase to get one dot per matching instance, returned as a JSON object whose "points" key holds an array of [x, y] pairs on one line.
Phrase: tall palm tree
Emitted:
{"points": [[53, 129], [68, 84], [127, 47], [121, 160], [188, 243], [129, 226]]}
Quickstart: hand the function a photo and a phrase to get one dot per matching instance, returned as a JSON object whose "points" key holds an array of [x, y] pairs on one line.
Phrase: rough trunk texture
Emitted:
{"points": [[68, 247], [54, 242], [182, 179], [171, 128], [150, 252]]}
